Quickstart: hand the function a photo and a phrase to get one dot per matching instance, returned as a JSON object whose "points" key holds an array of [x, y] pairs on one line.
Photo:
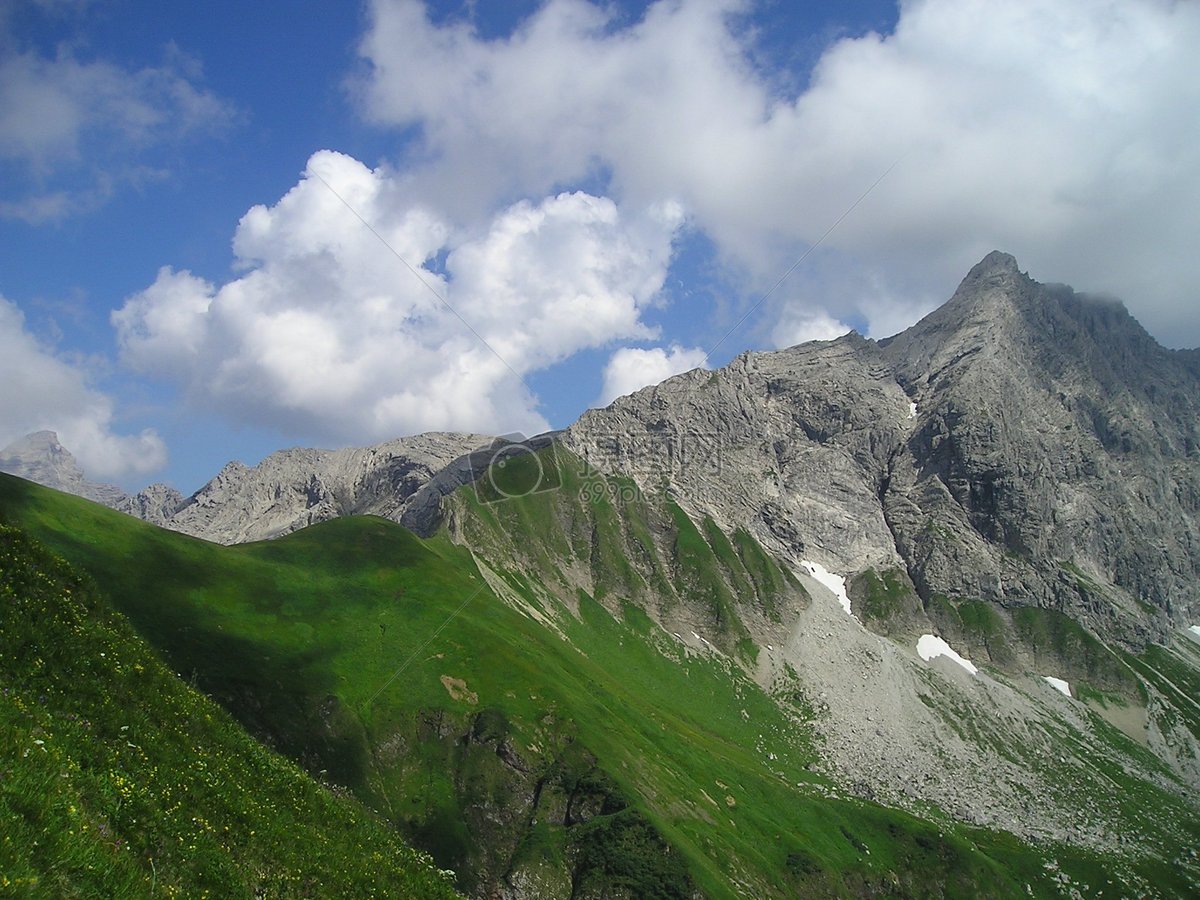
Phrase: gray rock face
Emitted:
{"points": [[1058, 456], [1023, 444], [41, 458], [794, 444], [156, 504], [285, 492], [294, 488]]}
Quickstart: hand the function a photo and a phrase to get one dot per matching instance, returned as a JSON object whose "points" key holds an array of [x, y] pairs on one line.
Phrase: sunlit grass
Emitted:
{"points": [[341, 639], [118, 780]]}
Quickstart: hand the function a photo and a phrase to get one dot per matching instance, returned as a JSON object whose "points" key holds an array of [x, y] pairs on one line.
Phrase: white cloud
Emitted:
{"points": [[1063, 131], [799, 327], [328, 334], [630, 369], [77, 128], [834, 282], [42, 391]]}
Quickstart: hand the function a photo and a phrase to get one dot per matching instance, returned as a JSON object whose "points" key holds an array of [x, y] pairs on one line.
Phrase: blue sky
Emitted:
{"points": [[211, 214]]}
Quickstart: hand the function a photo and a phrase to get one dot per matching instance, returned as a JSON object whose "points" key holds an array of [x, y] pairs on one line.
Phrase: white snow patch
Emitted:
{"points": [[930, 645], [1195, 629], [835, 583], [1058, 684], [912, 410]]}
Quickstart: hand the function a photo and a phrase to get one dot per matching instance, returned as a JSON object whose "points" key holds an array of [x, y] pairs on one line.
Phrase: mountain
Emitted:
{"points": [[40, 457], [1017, 474], [288, 490], [1022, 445], [914, 617], [295, 488], [1062, 444]]}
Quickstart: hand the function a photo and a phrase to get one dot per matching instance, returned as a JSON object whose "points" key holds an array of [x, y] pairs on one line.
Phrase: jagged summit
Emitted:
{"points": [[1001, 317], [41, 441]]}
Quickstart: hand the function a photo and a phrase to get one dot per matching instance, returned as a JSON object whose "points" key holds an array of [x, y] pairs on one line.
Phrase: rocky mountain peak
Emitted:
{"points": [[40, 457], [997, 263], [38, 441], [41, 452], [1016, 435]]}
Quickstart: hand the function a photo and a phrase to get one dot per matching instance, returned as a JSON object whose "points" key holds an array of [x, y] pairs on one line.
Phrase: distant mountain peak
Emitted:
{"points": [[42, 458], [44, 441], [995, 263]]}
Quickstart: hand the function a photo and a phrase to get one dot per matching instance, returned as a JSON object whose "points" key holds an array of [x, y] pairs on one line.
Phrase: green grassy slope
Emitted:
{"points": [[117, 779], [715, 580], [583, 755]]}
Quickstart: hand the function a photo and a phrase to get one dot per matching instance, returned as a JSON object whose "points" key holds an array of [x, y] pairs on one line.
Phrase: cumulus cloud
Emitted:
{"points": [[43, 391], [630, 369], [75, 129], [1063, 131], [800, 327], [328, 332]]}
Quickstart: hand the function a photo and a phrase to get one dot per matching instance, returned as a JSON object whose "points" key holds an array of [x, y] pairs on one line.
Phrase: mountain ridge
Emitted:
{"points": [[999, 422], [958, 559], [1004, 418]]}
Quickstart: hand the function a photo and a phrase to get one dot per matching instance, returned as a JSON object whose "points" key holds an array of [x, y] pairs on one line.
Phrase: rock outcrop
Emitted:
{"points": [[156, 504]]}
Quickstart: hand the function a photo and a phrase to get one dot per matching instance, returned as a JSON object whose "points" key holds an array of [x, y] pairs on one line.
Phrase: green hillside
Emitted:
{"points": [[118, 780], [575, 754]]}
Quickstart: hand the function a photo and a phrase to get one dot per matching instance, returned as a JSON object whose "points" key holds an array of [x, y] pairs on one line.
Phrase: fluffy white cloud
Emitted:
{"points": [[42, 391], [79, 128], [630, 369], [329, 333], [1063, 131], [799, 327]]}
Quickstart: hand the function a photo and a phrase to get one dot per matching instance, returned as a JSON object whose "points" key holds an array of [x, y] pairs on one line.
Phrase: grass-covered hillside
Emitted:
{"points": [[119, 780], [534, 751]]}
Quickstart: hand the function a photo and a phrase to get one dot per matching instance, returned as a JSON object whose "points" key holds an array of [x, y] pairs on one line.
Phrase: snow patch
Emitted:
{"points": [[912, 410], [930, 645], [1059, 685], [1195, 629], [835, 583]]}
